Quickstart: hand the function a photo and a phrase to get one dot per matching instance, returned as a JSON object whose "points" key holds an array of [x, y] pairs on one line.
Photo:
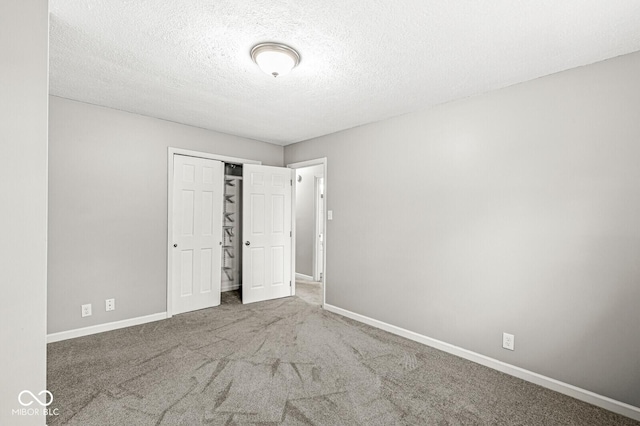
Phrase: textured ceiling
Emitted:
{"points": [[362, 60]]}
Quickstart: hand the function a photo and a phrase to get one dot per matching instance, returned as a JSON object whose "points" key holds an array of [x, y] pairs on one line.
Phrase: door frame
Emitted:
{"points": [[318, 200], [298, 165], [171, 151]]}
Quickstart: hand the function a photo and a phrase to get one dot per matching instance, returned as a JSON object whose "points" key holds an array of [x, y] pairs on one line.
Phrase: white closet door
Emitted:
{"points": [[198, 186], [266, 232]]}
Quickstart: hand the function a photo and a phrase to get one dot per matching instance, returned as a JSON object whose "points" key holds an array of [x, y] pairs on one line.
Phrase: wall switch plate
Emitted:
{"points": [[110, 304], [329, 214], [86, 310], [508, 341]]}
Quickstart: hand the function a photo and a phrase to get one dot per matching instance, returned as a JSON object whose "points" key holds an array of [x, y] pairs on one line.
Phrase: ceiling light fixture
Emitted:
{"points": [[274, 58]]}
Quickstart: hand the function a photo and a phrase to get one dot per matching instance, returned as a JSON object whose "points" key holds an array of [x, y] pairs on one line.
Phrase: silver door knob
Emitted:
{"points": [[248, 243], [175, 245]]}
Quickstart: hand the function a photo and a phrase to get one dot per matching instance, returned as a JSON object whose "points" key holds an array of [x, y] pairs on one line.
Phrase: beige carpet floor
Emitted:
{"points": [[309, 291], [286, 362]]}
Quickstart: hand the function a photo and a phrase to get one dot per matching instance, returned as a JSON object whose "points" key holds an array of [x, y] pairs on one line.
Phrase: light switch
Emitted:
{"points": [[329, 214]]}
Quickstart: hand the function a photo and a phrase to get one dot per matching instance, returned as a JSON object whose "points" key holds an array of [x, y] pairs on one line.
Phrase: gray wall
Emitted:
{"points": [[305, 218], [108, 208], [514, 211], [24, 27]]}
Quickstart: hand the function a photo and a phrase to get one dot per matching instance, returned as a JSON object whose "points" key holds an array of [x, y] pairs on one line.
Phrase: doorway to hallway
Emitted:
{"points": [[310, 229]]}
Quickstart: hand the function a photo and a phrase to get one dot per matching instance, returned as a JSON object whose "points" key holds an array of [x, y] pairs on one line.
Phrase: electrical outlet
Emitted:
{"points": [[110, 304], [86, 310], [508, 341]]}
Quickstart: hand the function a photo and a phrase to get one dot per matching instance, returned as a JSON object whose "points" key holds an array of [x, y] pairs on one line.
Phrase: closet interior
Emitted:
{"points": [[232, 228]]}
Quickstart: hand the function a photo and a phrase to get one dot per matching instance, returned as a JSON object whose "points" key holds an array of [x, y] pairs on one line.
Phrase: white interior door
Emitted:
{"points": [[266, 232], [198, 186]]}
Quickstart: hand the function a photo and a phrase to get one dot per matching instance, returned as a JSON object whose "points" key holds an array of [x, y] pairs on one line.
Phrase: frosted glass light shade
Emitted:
{"points": [[275, 59]]}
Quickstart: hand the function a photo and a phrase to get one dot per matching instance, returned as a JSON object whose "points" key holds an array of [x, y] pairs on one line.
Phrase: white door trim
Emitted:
{"points": [[318, 200], [170, 153], [210, 156], [300, 165]]}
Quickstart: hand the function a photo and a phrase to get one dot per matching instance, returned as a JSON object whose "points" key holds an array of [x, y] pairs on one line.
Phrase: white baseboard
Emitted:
{"points": [[94, 329], [300, 276], [547, 382], [229, 287]]}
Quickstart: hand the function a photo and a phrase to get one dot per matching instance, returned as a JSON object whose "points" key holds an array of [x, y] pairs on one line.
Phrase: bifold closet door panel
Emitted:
{"points": [[198, 191], [266, 232]]}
